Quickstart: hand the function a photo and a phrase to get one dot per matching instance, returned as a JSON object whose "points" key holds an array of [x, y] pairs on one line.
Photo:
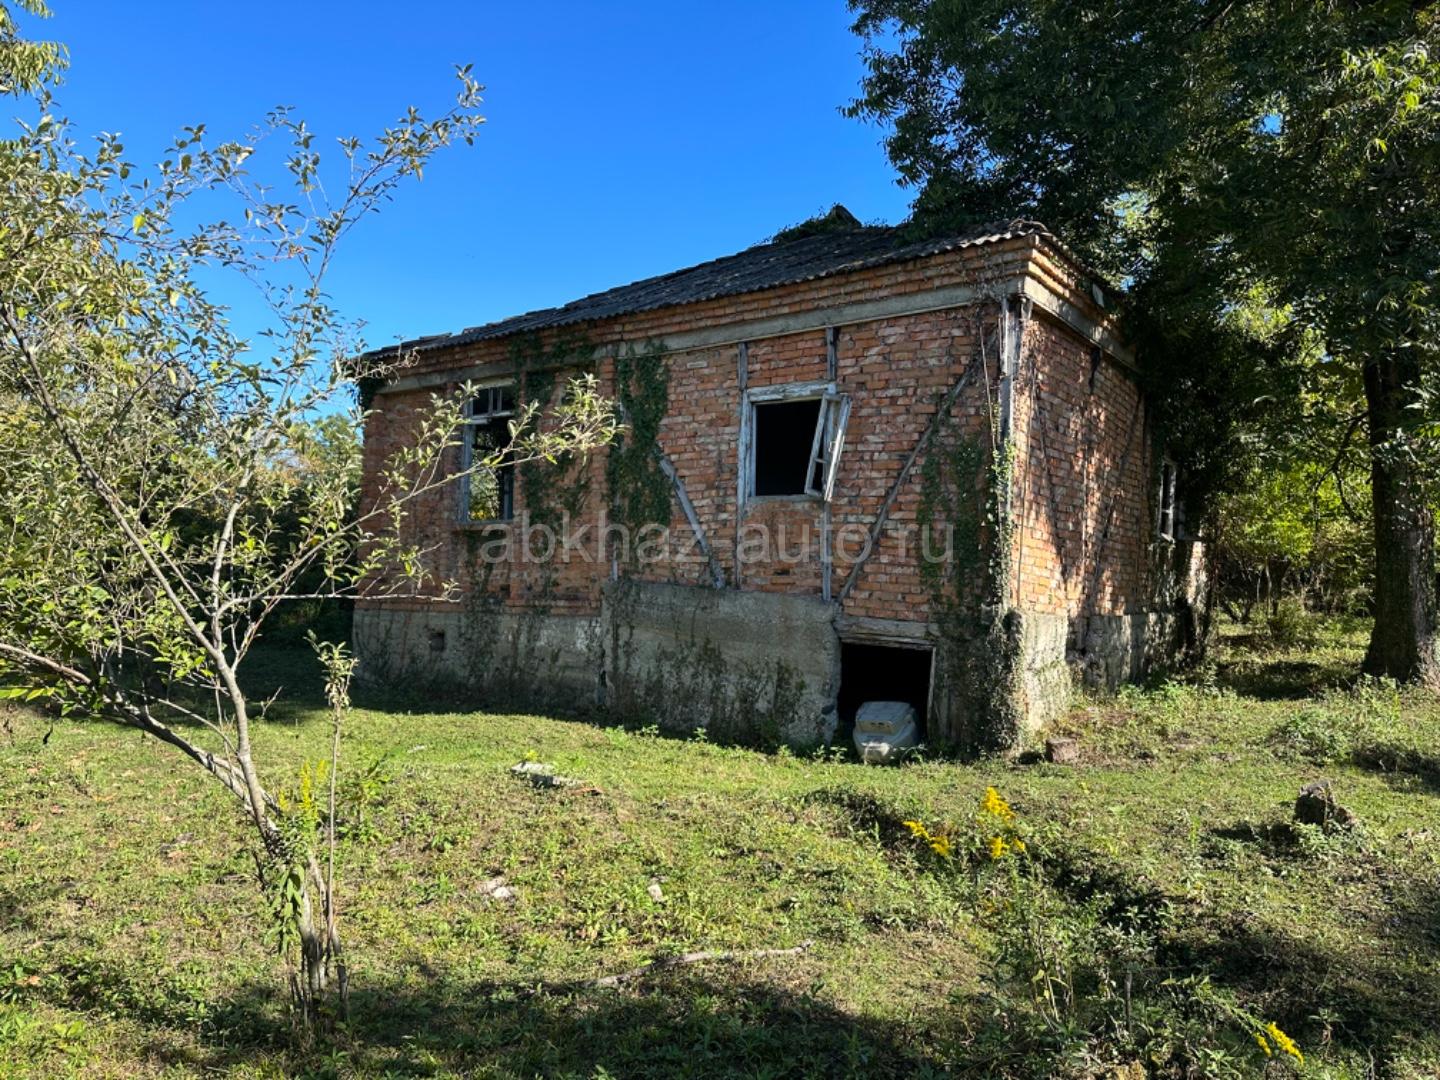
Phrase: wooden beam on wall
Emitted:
{"points": [[717, 575], [827, 555], [878, 525], [742, 456]]}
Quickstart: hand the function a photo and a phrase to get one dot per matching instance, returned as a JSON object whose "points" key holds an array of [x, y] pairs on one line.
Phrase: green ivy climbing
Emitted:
{"points": [[550, 490], [638, 490]]}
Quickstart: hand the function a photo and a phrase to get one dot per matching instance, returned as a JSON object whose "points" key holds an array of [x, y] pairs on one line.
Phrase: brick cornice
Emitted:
{"points": [[811, 319]]}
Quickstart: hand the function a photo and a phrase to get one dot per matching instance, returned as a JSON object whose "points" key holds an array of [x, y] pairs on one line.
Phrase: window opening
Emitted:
{"points": [[1168, 516], [795, 443], [487, 493]]}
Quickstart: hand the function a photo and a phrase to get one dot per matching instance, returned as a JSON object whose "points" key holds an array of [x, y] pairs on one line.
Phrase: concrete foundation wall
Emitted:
{"points": [[1116, 649], [497, 654], [746, 665], [1044, 677]]}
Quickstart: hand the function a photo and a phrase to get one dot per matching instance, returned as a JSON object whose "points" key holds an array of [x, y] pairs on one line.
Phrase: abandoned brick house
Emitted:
{"points": [[856, 467]]}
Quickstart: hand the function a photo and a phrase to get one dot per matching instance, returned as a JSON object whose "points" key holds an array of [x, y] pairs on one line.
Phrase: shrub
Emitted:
{"points": [[1341, 723], [1316, 734], [1291, 626]]}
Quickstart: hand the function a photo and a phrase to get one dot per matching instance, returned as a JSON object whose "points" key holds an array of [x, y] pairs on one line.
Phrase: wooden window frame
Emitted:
{"points": [[825, 446], [1168, 519], [493, 412]]}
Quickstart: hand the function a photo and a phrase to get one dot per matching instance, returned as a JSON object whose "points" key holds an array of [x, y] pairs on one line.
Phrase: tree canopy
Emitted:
{"points": [[1214, 156]]}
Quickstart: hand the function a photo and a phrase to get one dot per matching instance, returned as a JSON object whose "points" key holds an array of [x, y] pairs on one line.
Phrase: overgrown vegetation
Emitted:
{"points": [[166, 485], [1166, 859], [554, 487], [965, 484], [637, 490], [1263, 178], [825, 223]]}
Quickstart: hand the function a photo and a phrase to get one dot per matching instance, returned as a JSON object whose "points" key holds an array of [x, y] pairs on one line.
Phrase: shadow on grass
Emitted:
{"points": [[1283, 678], [1374, 992], [761, 1020], [1274, 840], [864, 813], [1400, 766], [1368, 998], [290, 674], [1378, 991], [722, 1021], [1128, 903], [17, 906]]}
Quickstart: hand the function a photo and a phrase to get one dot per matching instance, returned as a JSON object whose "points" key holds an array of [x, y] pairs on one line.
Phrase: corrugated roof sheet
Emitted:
{"points": [[765, 266]]}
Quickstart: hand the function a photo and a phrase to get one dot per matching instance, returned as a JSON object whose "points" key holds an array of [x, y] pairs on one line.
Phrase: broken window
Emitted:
{"points": [[796, 434], [488, 492], [784, 433], [825, 448], [1168, 512]]}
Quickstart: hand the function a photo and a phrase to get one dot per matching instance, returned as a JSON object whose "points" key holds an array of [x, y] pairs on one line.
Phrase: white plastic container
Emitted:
{"points": [[884, 730]]}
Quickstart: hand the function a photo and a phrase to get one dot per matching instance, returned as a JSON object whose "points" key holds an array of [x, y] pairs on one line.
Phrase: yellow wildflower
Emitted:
{"points": [[941, 846], [1260, 1040], [995, 806], [1285, 1043], [998, 847], [917, 830], [1018, 845]]}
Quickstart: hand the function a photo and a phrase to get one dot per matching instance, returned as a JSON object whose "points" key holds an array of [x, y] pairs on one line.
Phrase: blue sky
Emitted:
{"points": [[622, 139]]}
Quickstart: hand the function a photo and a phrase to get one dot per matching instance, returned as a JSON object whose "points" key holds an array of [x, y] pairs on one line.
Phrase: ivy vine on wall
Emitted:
{"points": [[550, 490], [639, 493], [964, 488]]}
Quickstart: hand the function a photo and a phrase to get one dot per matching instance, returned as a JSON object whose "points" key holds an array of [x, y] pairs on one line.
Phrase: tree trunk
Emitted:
{"points": [[316, 996], [1403, 642]]}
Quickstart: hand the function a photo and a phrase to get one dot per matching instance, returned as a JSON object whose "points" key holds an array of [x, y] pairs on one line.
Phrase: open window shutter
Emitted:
{"points": [[1167, 499], [819, 448], [838, 407], [825, 448]]}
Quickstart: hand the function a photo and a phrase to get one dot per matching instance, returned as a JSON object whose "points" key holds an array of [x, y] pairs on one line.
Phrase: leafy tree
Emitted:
{"points": [[1289, 531], [1200, 152], [25, 66], [167, 483]]}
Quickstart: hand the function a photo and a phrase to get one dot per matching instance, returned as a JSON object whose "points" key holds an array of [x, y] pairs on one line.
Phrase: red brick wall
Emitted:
{"points": [[902, 369], [1084, 468], [895, 371]]}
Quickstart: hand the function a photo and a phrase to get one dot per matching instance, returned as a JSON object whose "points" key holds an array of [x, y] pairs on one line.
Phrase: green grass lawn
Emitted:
{"points": [[132, 934]]}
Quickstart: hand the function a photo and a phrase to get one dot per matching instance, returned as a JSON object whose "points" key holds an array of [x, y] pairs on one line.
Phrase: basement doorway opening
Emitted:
{"points": [[882, 673]]}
